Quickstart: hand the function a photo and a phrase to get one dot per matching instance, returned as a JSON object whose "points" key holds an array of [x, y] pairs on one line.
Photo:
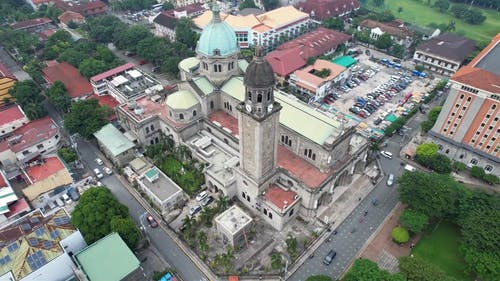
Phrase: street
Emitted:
{"points": [[158, 238], [355, 230]]}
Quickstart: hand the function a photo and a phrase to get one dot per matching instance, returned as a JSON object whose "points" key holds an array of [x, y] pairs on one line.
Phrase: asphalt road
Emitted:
{"points": [[355, 230], [158, 238]]}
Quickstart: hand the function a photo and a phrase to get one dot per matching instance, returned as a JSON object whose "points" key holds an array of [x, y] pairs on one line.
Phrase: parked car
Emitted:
{"points": [[194, 210], [66, 198], [377, 121], [390, 179], [73, 193], [107, 170], [207, 201], [98, 173], [329, 257], [99, 161], [142, 62], [152, 222], [202, 195], [386, 154]]}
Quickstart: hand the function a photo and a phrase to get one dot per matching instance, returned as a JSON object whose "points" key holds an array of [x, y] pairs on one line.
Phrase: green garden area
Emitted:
{"points": [[441, 248], [188, 178], [420, 13]]}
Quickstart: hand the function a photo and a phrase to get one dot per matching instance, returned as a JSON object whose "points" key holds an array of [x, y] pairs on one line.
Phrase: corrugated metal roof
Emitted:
{"points": [[113, 140]]}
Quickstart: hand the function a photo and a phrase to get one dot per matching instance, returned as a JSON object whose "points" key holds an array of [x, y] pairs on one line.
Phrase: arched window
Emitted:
{"points": [[181, 116], [250, 95], [289, 142], [194, 113], [270, 215], [259, 98], [211, 104], [269, 95]]}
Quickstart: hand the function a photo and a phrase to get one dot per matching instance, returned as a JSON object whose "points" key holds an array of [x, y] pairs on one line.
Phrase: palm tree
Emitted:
{"points": [[227, 257], [276, 260], [187, 222], [222, 203], [206, 216]]}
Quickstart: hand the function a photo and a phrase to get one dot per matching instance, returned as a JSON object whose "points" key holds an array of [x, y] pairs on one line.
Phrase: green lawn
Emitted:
{"points": [[441, 249], [418, 13], [190, 181]]}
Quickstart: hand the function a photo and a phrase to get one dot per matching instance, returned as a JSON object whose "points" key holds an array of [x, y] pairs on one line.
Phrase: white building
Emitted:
{"points": [[160, 189], [234, 225], [12, 118]]}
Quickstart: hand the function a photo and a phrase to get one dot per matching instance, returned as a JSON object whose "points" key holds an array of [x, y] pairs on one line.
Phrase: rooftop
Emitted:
{"points": [[167, 19], [30, 23], [233, 219], [316, 42], [224, 120], [112, 72], [49, 166], [34, 132], [307, 79], [159, 184], [69, 16], [144, 108], [189, 64], [108, 259], [286, 61], [5, 72], [113, 140], [18, 207], [11, 114], [7, 195], [394, 28], [107, 100], [280, 197], [450, 46], [76, 85], [323, 9], [483, 71], [33, 241]]}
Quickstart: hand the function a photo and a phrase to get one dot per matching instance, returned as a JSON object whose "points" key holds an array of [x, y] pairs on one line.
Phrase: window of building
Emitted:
{"points": [[461, 96], [265, 212], [459, 116], [40, 146], [469, 99], [211, 104], [194, 112], [157, 140], [488, 146], [250, 95], [147, 130], [473, 161], [248, 198], [215, 68], [291, 213], [181, 116], [461, 156], [447, 151], [268, 95], [259, 98], [152, 127], [151, 142], [488, 168], [270, 215]]}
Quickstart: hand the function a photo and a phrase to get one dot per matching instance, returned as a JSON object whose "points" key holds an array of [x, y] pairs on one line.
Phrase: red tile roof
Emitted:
{"points": [[11, 114], [18, 207], [280, 197], [109, 101], [285, 62], [87, 8], [300, 168], [69, 16], [323, 9], [3, 180], [393, 28], [5, 72], [76, 85], [316, 42], [477, 77], [30, 23], [112, 72], [50, 166], [226, 120], [30, 134]]}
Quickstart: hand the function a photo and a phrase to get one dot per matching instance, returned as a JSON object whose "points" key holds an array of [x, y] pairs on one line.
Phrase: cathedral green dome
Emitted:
{"points": [[217, 35]]}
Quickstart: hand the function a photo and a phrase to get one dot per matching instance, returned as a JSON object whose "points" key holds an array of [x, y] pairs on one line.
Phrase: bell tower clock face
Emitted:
{"points": [[248, 108]]}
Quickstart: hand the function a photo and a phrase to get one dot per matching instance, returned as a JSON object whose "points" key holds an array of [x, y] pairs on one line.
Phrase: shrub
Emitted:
{"points": [[400, 235], [491, 179], [414, 221], [67, 154], [477, 172]]}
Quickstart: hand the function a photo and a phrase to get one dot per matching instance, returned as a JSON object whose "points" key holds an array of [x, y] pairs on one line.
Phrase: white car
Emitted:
{"points": [[107, 170], [99, 161], [201, 196], [66, 198], [98, 173], [386, 154], [390, 179]]}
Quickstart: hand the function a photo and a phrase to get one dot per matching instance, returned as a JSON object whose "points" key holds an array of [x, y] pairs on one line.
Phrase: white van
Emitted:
{"points": [[410, 168]]}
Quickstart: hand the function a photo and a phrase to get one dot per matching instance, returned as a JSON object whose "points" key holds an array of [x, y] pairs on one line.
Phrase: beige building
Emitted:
{"points": [[234, 225], [117, 147], [308, 80]]}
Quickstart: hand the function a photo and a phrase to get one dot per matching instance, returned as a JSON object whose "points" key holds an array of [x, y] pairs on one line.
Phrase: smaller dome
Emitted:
{"points": [[259, 73], [217, 35], [181, 100]]}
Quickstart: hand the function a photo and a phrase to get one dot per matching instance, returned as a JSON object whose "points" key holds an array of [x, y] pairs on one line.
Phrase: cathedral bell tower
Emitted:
{"points": [[258, 121]]}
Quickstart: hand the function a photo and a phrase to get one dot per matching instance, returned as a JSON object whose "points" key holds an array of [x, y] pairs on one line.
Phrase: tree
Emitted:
{"points": [[103, 29], [427, 149], [90, 67], [384, 41], [222, 203], [168, 6], [485, 264], [398, 50], [276, 261], [467, 14], [334, 23], [378, 3], [58, 95], [72, 24], [419, 67], [270, 4], [291, 246], [434, 195], [400, 235], [442, 5], [417, 269], [136, 33], [95, 211], [477, 172], [127, 230], [319, 278], [247, 4], [67, 154], [367, 270], [86, 117], [201, 237], [184, 32], [73, 57], [414, 221], [400, 9], [28, 96]]}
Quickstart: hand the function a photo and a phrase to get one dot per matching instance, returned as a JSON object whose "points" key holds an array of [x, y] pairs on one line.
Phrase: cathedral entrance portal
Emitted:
{"points": [[343, 179]]}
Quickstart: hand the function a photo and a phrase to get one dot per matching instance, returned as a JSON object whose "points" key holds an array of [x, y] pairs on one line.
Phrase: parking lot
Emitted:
{"points": [[375, 94]]}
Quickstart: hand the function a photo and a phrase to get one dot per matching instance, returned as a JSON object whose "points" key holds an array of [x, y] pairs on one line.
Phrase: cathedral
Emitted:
{"points": [[278, 156]]}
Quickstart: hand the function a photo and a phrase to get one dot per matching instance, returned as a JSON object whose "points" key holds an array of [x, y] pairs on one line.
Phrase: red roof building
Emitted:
{"points": [[285, 62], [31, 24], [7, 81], [50, 166], [86, 9], [70, 16], [323, 9], [77, 86], [11, 118]]}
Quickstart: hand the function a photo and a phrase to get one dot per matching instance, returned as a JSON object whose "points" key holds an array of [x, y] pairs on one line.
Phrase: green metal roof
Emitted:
{"points": [[113, 140], [301, 118], [205, 86], [189, 64], [235, 88], [344, 61], [182, 100], [243, 64], [108, 259], [218, 35]]}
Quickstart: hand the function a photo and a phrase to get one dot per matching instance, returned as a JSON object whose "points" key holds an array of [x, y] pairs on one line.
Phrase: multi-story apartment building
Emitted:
{"points": [[468, 129], [269, 29], [444, 54]]}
